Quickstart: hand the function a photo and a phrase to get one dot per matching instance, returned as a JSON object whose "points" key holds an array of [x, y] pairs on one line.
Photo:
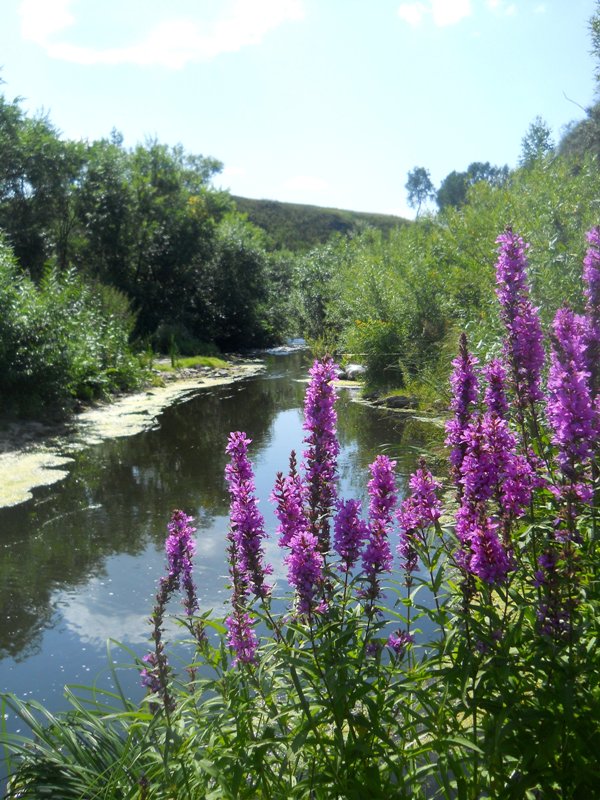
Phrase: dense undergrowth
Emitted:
{"points": [[444, 646], [397, 303], [61, 340]]}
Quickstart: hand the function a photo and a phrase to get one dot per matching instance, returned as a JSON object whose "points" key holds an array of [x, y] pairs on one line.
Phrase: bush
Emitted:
{"points": [[61, 340]]}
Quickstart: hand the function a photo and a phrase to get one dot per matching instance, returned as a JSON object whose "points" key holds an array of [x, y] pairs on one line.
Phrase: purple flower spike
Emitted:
{"points": [[489, 560], [495, 393], [570, 411], [464, 396], [350, 531], [591, 277], [288, 496], [247, 523], [377, 555], [305, 570], [180, 548], [417, 513], [523, 344], [320, 456], [241, 637]]}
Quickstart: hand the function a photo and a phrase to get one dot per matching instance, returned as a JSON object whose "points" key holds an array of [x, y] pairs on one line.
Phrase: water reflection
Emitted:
{"points": [[80, 561]]}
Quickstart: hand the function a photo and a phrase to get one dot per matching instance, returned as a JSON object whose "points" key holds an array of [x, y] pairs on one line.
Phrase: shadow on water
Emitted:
{"points": [[81, 559]]}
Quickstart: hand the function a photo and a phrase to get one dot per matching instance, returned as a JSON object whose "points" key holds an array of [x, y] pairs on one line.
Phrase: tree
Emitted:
{"points": [[454, 187], [419, 187], [536, 143]]}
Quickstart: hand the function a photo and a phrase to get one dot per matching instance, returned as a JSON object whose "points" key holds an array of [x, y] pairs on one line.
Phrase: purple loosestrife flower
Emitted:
{"points": [[241, 637], [149, 675], [180, 548], [523, 343], [247, 523], [491, 469], [240, 631], [350, 531], [570, 412], [398, 642], [418, 512], [489, 560], [288, 497], [305, 570], [591, 277], [495, 393], [320, 456], [377, 555], [464, 396]]}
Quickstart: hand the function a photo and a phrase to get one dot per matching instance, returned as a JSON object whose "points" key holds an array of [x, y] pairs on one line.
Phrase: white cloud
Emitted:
{"points": [[540, 9], [442, 12], [412, 13], [172, 42], [41, 19], [449, 12]]}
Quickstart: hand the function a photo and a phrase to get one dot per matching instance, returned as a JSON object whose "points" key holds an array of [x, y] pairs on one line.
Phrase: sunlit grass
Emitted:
{"points": [[189, 362]]}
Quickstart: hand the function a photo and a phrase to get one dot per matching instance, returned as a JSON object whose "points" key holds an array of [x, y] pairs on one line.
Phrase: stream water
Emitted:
{"points": [[80, 561]]}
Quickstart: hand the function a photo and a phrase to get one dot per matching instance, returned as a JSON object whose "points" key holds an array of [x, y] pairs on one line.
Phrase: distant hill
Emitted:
{"points": [[293, 226]]}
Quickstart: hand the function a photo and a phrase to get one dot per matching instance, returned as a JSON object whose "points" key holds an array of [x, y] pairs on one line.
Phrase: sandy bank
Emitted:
{"points": [[36, 454]]}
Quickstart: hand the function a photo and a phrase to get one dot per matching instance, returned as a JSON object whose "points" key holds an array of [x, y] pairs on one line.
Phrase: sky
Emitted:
{"points": [[327, 102]]}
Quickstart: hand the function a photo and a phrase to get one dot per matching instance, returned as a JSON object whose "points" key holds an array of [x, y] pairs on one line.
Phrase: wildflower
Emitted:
{"points": [[495, 393], [398, 642], [591, 277], [350, 531], [320, 456], [149, 675], [247, 523], [523, 343], [377, 555], [241, 637], [305, 569], [417, 513], [180, 548], [489, 560], [570, 411], [288, 496], [464, 395]]}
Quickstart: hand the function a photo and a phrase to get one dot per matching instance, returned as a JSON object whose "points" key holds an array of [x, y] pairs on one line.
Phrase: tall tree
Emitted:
{"points": [[536, 143], [419, 187]]}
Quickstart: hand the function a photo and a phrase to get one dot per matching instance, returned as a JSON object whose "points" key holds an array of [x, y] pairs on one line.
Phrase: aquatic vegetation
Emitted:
{"points": [[442, 645]]}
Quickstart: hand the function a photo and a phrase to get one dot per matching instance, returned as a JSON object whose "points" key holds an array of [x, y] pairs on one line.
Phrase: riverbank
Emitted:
{"points": [[36, 453]]}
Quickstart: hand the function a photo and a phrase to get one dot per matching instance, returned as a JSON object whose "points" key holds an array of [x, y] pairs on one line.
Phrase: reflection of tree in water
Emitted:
{"points": [[368, 432], [118, 498]]}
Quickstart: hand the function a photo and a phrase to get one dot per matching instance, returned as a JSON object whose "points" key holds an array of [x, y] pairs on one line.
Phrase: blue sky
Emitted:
{"points": [[329, 102]]}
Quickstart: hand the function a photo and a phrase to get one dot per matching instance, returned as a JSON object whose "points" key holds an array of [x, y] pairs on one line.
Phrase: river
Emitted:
{"points": [[81, 559]]}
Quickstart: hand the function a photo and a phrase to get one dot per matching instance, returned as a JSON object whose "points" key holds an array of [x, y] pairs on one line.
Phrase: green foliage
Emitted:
{"points": [[454, 187], [396, 302], [298, 228], [419, 188], [536, 143], [61, 340]]}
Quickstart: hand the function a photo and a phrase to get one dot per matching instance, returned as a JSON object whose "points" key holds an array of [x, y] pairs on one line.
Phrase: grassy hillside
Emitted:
{"points": [[293, 226]]}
